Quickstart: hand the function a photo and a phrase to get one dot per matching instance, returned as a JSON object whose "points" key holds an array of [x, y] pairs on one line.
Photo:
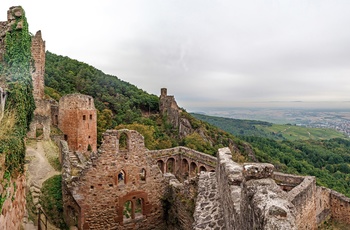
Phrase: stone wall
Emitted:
{"points": [[42, 114], [323, 204], [331, 204], [14, 206], [77, 119], [340, 206], [303, 198], [38, 72], [249, 197], [178, 202], [41, 120], [113, 178]]}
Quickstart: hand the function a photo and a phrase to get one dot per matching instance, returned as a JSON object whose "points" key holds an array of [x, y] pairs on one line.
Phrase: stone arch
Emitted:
{"points": [[137, 207], [170, 165], [143, 174], [185, 168], [212, 170], [123, 138], [121, 177], [160, 164], [202, 169], [193, 169]]}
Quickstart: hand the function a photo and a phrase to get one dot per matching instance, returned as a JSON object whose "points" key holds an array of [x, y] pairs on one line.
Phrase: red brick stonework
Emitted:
{"points": [[77, 120], [120, 188]]}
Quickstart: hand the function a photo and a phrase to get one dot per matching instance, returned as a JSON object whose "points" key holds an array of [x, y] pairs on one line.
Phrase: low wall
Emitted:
{"points": [[340, 206], [323, 204], [303, 198]]}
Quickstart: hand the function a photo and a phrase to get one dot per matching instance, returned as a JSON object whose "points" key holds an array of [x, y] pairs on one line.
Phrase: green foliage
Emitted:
{"points": [[51, 201], [16, 71], [118, 102]]}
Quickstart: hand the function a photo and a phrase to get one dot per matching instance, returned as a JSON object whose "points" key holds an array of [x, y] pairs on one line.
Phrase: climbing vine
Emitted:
{"points": [[16, 70]]}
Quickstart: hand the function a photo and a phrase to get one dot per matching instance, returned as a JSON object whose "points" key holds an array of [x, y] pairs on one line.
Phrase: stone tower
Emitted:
{"points": [[77, 119], [38, 54]]}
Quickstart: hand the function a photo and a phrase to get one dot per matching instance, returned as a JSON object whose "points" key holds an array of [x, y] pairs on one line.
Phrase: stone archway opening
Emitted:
{"points": [[170, 165], [123, 142], [193, 169], [202, 169], [121, 177], [185, 168], [160, 164], [39, 131], [138, 208]]}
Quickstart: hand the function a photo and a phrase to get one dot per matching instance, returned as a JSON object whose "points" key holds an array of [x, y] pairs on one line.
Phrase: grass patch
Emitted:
{"points": [[51, 201], [52, 154]]}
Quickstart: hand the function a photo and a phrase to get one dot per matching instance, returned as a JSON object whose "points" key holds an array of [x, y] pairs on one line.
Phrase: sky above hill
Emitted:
{"points": [[207, 53]]}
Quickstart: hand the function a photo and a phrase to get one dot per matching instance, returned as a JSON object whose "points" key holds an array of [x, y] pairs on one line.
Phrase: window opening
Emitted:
{"points": [[123, 141], [90, 116], [84, 117], [138, 208], [121, 177], [127, 211], [143, 174]]}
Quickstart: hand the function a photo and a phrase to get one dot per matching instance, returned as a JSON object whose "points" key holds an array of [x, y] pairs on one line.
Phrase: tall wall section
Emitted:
{"points": [[77, 119], [12, 181], [42, 114]]}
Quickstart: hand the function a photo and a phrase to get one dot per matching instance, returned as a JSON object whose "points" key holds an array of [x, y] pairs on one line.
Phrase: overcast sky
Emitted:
{"points": [[207, 53]]}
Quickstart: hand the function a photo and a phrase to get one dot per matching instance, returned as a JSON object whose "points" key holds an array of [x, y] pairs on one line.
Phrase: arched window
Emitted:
{"points": [[202, 169], [185, 168], [121, 177], [143, 174], [193, 169], [170, 165], [128, 211], [123, 142], [160, 164]]}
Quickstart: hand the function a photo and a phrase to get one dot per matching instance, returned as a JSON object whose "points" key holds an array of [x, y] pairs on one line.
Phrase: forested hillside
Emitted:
{"points": [[123, 105], [325, 157]]}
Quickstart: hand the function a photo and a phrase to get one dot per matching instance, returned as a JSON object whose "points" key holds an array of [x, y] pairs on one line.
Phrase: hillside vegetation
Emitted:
{"points": [[123, 105], [293, 150]]}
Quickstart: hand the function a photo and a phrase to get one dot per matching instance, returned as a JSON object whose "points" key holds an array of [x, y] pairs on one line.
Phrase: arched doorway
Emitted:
{"points": [[170, 165]]}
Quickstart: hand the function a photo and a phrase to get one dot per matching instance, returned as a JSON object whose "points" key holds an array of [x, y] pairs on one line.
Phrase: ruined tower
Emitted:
{"points": [[77, 119], [38, 54], [40, 126]]}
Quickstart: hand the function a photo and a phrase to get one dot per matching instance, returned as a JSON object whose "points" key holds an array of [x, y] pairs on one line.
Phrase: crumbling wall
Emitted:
{"points": [[38, 70], [14, 205], [41, 120], [323, 204], [42, 112], [340, 206], [249, 196], [178, 202], [303, 198], [101, 193]]}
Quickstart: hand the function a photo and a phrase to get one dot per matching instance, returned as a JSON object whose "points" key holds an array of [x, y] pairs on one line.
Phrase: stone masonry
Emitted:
{"points": [[42, 114], [77, 119], [118, 188]]}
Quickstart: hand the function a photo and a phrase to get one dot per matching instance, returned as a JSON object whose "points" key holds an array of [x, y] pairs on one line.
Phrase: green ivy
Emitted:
{"points": [[16, 70]]}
